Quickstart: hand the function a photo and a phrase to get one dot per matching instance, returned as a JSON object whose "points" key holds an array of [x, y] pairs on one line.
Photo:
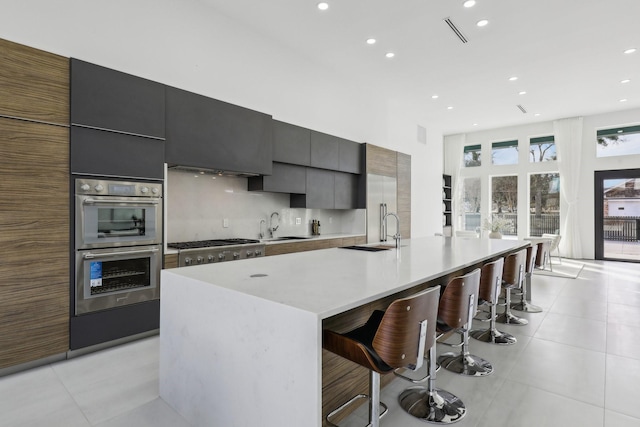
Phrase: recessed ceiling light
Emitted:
{"points": [[434, 96], [632, 50], [623, 100], [482, 23], [522, 92], [449, 107], [323, 6], [475, 124], [537, 114], [513, 79], [371, 41], [625, 81], [390, 54], [469, 3]]}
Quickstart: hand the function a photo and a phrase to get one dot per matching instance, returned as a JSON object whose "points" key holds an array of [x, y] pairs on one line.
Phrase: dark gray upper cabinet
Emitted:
{"points": [[324, 151], [346, 190], [351, 157], [108, 99], [285, 178], [291, 144], [98, 152], [206, 133], [320, 191]]}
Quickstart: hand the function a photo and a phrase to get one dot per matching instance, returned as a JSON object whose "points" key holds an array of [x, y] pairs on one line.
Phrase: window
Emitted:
{"points": [[471, 198], [542, 149], [618, 141], [504, 153], [504, 202], [472, 155], [544, 203]]}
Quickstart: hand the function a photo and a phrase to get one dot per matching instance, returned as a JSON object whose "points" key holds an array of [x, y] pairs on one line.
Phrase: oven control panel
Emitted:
{"points": [[97, 187]]}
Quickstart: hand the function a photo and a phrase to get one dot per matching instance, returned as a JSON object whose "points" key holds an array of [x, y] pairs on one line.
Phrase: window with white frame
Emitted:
{"points": [[542, 149], [472, 156], [620, 141], [504, 153]]}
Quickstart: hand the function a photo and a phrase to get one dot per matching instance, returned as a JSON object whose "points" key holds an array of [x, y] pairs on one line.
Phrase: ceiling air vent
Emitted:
{"points": [[521, 108], [455, 30]]}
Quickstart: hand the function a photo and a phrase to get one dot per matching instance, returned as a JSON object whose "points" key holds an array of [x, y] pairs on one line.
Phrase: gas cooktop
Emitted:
{"points": [[210, 243]]}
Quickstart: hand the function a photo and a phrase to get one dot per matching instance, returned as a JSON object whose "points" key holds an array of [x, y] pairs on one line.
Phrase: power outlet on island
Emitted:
{"points": [[225, 223], [298, 221]]}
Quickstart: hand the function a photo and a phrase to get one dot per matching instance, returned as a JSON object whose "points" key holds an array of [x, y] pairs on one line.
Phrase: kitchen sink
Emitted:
{"points": [[292, 238], [368, 248]]}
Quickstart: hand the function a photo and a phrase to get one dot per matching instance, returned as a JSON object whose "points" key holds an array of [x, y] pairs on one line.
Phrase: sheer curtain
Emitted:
{"points": [[453, 154], [568, 138]]}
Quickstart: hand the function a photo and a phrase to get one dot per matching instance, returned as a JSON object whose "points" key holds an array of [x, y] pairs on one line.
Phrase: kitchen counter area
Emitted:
{"points": [[241, 343]]}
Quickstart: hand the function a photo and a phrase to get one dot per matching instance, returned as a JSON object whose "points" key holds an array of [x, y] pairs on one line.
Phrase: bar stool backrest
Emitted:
{"points": [[514, 266], [459, 300], [398, 336], [491, 280], [531, 258], [543, 252]]}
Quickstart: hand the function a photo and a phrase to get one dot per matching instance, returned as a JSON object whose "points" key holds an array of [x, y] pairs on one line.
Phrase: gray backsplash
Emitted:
{"points": [[197, 206]]}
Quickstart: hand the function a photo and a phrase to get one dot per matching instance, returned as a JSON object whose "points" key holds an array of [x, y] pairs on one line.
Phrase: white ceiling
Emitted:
{"points": [[567, 54]]}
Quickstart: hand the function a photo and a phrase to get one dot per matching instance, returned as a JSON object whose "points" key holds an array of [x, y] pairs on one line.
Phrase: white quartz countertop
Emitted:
{"points": [[330, 281]]}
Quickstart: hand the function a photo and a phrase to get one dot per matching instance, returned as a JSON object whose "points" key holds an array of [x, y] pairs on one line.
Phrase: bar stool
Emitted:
{"points": [[544, 255], [458, 305], [525, 305], [512, 277], [490, 280], [390, 339]]}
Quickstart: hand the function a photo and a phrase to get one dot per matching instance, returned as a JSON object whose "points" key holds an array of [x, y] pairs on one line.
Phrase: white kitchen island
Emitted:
{"points": [[241, 342]]}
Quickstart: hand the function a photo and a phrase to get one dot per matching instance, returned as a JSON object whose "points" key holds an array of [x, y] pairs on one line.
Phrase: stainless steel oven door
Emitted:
{"points": [[108, 221], [107, 278]]}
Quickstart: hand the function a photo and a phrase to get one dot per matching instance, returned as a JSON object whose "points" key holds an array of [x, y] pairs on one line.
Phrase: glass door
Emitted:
{"points": [[617, 195]]}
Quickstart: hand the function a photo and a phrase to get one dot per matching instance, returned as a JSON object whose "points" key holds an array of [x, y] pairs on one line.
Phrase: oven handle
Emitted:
{"points": [[91, 201], [89, 255]]}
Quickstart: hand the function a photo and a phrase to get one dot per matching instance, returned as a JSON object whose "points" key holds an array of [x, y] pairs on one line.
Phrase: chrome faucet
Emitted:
{"points": [[397, 235], [261, 234], [271, 227]]}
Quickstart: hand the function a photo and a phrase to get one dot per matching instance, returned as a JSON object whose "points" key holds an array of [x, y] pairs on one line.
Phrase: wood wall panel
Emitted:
{"points": [[312, 245], [34, 241], [404, 194], [34, 84], [381, 161], [171, 261]]}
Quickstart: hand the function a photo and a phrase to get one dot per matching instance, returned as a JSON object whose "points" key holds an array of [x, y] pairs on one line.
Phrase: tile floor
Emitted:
{"points": [[575, 364]]}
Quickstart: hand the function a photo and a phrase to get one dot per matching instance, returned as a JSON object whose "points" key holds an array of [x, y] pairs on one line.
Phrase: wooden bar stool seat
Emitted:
{"points": [[490, 287], [512, 278], [458, 305], [395, 338]]}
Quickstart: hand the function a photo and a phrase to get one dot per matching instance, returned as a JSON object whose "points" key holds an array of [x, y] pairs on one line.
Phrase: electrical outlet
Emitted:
{"points": [[330, 220], [225, 223], [298, 221]]}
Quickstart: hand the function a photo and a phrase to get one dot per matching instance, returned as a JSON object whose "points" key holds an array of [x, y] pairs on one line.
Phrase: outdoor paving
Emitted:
{"points": [[622, 250]]}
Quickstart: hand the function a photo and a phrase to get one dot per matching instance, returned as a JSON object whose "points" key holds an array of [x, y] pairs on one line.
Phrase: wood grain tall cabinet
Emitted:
{"points": [[34, 204]]}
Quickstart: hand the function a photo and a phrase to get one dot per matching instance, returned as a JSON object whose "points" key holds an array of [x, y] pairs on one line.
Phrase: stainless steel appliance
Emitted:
{"points": [[214, 251], [118, 251], [115, 213], [381, 199]]}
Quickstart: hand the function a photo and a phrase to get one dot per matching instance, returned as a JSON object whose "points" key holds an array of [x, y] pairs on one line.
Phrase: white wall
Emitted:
{"points": [[590, 163], [188, 45]]}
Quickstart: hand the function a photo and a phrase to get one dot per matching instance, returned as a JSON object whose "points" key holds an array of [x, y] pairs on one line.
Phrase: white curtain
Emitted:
{"points": [[568, 138], [453, 156]]}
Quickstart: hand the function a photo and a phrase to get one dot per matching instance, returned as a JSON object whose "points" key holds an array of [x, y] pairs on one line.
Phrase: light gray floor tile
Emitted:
{"points": [[520, 405], [585, 333], [37, 398], [596, 310], [562, 369], [622, 391], [623, 340], [624, 296], [623, 314], [582, 289], [614, 419], [153, 414], [131, 379]]}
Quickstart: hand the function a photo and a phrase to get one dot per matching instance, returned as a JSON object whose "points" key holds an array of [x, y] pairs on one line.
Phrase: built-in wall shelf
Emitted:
{"points": [[446, 205]]}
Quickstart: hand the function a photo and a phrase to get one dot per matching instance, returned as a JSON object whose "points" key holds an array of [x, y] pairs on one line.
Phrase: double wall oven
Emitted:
{"points": [[118, 243]]}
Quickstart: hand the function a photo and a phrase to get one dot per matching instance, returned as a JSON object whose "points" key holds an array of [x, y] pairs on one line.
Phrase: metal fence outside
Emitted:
{"points": [[621, 228], [540, 224]]}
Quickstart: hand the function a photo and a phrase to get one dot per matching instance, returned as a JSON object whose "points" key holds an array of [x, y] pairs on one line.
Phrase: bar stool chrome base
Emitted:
{"points": [[526, 307], [438, 406], [469, 364], [510, 319], [493, 336], [349, 403]]}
